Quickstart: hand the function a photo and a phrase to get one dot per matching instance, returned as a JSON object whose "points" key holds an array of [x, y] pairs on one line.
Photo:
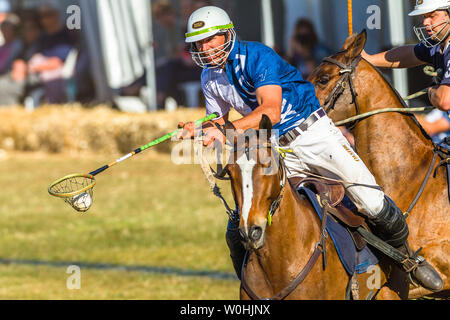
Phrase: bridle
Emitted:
{"points": [[223, 173], [346, 72]]}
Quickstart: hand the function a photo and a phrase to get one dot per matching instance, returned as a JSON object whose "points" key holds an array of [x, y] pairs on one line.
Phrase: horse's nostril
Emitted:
{"points": [[255, 233]]}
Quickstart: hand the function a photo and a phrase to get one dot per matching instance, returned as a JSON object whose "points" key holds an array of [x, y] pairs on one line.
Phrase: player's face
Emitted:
{"points": [[209, 44], [434, 22]]}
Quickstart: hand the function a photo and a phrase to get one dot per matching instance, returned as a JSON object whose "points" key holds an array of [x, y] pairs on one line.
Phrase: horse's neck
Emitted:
{"points": [[290, 239], [391, 144]]}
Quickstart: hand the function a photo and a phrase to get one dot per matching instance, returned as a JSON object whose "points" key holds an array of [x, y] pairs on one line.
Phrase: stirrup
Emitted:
{"points": [[412, 261]]}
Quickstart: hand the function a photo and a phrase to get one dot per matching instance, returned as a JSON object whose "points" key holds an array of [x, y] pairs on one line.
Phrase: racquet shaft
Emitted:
{"points": [[149, 145]]}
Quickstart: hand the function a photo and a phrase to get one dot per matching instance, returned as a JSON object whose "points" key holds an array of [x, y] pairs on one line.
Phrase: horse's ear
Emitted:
{"points": [[230, 137], [355, 44], [349, 41], [265, 122], [229, 125]]}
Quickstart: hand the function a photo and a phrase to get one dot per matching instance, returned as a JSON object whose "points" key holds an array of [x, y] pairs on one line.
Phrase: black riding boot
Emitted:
{"points": [[237, 250], [390, 225]]}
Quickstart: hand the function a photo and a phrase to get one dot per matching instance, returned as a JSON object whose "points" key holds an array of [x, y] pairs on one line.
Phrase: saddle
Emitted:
{"points": [[343, 211]]}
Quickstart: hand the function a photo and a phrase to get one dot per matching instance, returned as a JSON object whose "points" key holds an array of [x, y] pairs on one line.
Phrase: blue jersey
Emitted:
{"points": [[252, 65], [434, 57]]}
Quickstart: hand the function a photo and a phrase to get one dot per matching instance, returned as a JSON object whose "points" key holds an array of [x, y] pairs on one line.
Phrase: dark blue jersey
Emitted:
{"points": [[434, 57]]}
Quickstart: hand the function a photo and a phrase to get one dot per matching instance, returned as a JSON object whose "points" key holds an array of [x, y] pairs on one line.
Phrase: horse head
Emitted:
{"points": [[255, 180], [334, 79]]}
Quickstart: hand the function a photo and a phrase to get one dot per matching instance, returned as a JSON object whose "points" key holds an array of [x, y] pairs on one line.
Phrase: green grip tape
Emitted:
{"points": [[170, 135]]}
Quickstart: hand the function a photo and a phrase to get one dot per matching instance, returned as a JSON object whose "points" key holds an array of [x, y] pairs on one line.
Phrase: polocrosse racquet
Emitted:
{"points": [[77, 189]]}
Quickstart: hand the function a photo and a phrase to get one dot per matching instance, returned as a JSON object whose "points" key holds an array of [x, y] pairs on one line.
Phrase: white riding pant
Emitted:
{"points": [[322, 149]]}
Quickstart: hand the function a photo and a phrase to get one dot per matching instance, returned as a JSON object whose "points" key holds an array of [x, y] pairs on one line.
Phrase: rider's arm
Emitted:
{"points": [[269, 99], [400, 57], [440, 97]]}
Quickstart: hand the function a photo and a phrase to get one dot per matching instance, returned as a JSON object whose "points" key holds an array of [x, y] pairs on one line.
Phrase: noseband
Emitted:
{"points": [[346, 73]]}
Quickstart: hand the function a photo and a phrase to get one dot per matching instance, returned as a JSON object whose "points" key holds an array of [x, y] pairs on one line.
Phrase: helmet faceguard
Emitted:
{"points": [[215, 57]]}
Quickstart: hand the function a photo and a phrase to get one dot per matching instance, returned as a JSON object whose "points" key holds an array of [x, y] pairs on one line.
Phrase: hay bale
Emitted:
{"points": [[74, 129]]}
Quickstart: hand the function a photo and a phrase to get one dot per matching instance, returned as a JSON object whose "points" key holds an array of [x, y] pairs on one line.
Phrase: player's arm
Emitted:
{"points": [[400, 57], [440, 96], [269, 98]]}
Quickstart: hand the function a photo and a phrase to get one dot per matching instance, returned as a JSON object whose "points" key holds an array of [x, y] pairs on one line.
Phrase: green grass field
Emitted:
{"points": [[154, 224]]}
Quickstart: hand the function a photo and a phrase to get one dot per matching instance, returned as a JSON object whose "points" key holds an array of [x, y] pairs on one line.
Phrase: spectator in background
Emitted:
{"points": [[10, 91], [164, 32], [31, 33], [52, 50], [5, 8], [436, 124], [166, 46], [174, 65], [189, 6], [305, 52], [12, 46]]}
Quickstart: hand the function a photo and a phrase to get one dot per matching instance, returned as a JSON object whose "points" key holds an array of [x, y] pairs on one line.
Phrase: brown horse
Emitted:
{"points": [[285, 253], [393, 146]]}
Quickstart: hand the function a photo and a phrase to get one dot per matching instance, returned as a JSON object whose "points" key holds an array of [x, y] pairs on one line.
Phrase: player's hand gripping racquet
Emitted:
{"points": [[77, 189]]}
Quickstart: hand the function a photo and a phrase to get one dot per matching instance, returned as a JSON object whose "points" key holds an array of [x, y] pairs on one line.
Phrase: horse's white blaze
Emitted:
{"points": [[246, 167]]}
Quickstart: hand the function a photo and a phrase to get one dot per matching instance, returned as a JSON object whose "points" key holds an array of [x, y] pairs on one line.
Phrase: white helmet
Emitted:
{"points": [[427, 6], [204, 23]]}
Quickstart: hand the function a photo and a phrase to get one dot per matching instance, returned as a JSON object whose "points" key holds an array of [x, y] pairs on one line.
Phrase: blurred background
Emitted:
{"points": [[132, 55], [85, 81]]}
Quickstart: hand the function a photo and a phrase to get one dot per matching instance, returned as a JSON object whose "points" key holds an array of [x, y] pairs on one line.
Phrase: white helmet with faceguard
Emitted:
{"points": [[427, 34], [204, 23]]}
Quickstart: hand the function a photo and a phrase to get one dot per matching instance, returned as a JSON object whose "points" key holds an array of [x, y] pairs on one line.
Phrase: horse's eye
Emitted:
{"points": [[324, 79]]}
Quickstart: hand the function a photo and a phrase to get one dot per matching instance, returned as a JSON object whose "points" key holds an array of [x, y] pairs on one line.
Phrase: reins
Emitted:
{"points": [[385, 110]]}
